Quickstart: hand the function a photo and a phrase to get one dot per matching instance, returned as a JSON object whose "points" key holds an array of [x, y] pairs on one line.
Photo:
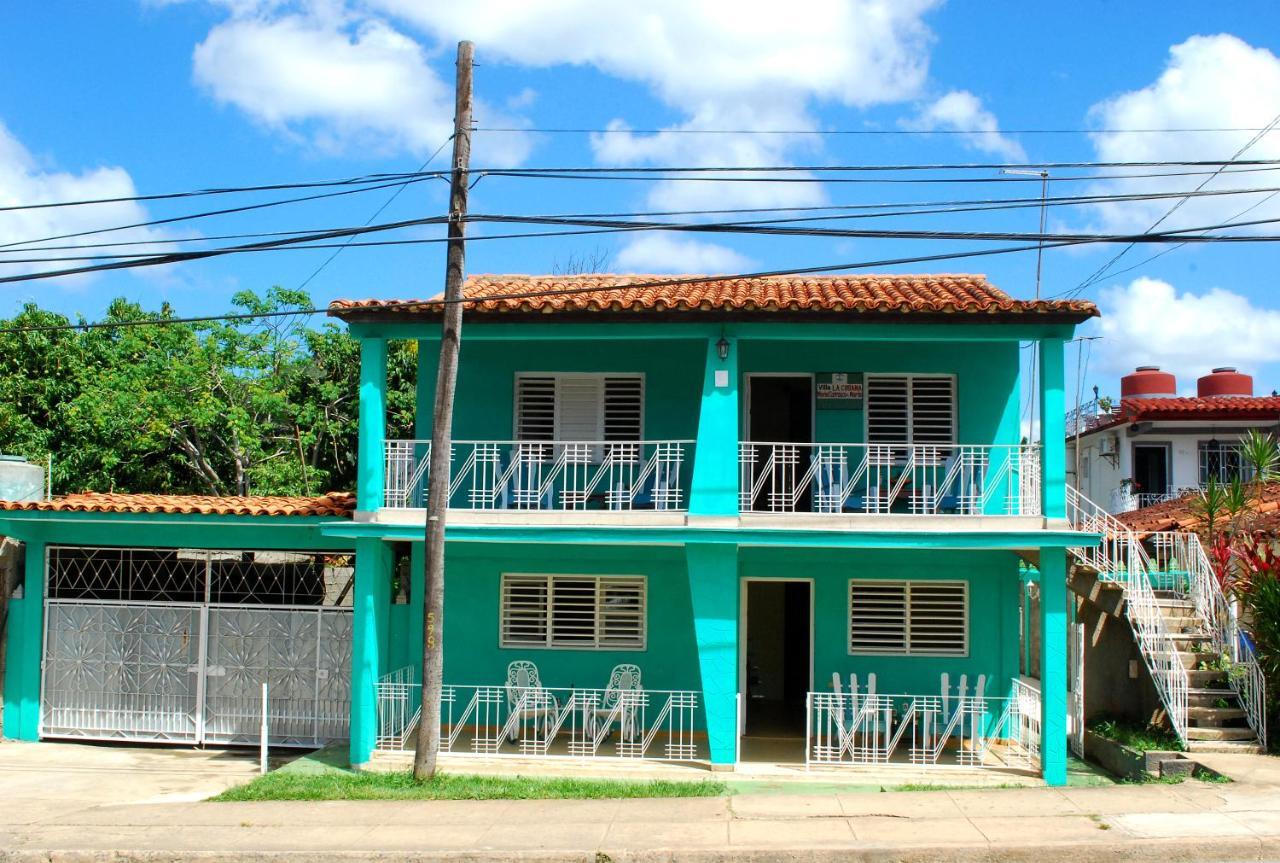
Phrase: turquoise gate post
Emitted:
{"points": [[370, 455], [714, 488], [371, 609], [25, 644], [713, 589], [1053, 665]]}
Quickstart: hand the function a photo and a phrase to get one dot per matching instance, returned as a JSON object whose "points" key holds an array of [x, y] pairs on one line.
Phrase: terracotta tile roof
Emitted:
{"points": [[340, 504], [1209, 407], [1180, 514], [941, 294]]}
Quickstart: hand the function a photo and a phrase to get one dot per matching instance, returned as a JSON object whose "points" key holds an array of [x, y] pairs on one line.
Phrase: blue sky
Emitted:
{"points": [[117, 97]]}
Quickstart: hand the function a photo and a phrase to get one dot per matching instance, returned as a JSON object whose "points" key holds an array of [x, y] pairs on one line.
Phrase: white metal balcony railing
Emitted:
{"points": [[849, 728], [909, 479], [546, 475], [542, 721]]}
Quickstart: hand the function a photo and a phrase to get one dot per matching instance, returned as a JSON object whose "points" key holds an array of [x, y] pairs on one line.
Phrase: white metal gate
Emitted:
{"points": [[174, 645]]}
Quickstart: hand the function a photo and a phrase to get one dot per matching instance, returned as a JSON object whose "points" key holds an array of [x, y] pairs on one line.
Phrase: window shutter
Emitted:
{"points": [[877, 616], [623, 408], [932, 410], [579, 415], [622, 612], [573, 612], [535, 408], [938, 616], [524, 610], [909, 618], [888, 409]]}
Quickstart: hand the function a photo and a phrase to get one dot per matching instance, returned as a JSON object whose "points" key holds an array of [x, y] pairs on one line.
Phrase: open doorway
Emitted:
{"points": [[1151, 469], [779, 411], [778, 668]]}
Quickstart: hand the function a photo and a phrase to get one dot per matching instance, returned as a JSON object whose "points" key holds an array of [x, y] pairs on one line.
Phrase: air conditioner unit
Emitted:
{"points": [[1109, 448]]}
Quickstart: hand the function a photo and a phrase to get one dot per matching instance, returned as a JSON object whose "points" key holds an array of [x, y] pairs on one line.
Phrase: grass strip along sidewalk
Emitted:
{"points": [[343, 785]]}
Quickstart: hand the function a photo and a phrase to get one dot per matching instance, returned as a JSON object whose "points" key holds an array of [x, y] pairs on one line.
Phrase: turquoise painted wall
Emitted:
{"points": [[993, 612], [472, 651]]}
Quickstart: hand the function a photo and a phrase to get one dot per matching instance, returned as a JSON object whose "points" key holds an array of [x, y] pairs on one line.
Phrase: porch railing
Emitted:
{"points": [[908, 479], [542, 721], [546, 475], [848, 728]]}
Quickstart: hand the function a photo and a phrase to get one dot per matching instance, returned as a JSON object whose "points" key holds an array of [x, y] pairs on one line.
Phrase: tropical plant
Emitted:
{"points": [[1209, 504]]}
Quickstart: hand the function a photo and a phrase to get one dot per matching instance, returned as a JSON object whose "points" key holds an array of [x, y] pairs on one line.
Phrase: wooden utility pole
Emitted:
{"points": [[428, 744]]}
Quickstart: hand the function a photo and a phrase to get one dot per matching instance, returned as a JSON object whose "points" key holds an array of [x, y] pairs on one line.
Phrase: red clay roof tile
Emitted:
{"points": [[1181, 513], [339, 504], [899, 294]]}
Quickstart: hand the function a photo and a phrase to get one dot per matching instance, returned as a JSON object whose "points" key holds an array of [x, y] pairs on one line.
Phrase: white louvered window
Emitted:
{"points": [[579, 407], [590, 612], [909, 618], [911, 409]]}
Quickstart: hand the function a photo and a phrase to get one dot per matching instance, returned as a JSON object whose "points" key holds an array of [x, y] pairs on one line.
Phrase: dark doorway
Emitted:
{"points": [[1151, 468], [778, 658], [780, 410]]}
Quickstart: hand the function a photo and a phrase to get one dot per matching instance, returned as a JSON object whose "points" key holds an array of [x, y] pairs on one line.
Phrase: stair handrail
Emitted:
{"points": [[1218, 612], [1121, 557]]}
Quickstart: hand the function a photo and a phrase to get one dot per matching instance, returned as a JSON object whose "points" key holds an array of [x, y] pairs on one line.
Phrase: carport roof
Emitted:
{"points": [[337, 504]]}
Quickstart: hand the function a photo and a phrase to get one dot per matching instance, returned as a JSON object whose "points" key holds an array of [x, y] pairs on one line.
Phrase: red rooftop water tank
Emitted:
{"points": [[1224, 381], [1148, 382]]}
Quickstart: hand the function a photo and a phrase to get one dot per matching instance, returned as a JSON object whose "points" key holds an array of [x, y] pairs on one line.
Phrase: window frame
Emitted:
{"points": [[910, 377], [1224, 447], [908, 650], [557, 377], [598, 642]]}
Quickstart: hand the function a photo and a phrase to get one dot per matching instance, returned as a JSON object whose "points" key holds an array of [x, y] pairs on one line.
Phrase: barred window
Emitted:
{"points": [[590, 612], [909, 618], [911, 409]]}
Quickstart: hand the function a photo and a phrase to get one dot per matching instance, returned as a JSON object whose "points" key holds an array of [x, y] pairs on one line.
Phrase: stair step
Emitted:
{"points": [[1217, 734], [1242, 747], [1212, 717], [1195, 637], [1201, 679]]}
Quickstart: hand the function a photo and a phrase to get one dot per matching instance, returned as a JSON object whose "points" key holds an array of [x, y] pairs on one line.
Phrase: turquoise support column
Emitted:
{"points": [[1053, 429], [714, 489], [25, 643], [713, 589], [371, 608], [1053, 665], [370, 467]]}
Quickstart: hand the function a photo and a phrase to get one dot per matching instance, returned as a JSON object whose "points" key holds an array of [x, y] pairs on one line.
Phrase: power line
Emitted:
{"points": [[873, 132], [376, 213], [1102, 271]]}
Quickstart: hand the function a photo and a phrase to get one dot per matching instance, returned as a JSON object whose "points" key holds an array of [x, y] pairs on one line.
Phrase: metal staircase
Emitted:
{"points": [[1204, 671]]}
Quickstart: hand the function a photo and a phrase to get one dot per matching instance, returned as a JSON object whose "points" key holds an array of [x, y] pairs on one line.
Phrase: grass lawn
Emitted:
{"points": [[346, 785]]}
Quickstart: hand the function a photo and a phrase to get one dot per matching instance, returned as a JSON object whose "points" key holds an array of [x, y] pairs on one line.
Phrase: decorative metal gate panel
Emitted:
{"points": [[175, 645]]}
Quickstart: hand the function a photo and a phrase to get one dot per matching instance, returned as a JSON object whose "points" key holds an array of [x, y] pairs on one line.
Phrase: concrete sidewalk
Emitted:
{"points": [[1192, 821]]}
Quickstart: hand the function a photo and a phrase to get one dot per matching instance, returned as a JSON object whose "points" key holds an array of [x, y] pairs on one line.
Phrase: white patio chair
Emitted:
{"points": [[526, 694], [624, 687]]}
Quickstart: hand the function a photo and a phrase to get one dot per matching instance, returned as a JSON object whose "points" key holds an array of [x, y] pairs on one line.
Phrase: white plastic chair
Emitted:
{"points": [[526, 694], [624, 686]]}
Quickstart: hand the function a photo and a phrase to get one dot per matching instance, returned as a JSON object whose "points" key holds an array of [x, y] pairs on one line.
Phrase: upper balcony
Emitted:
{"points": [[830, 402]]}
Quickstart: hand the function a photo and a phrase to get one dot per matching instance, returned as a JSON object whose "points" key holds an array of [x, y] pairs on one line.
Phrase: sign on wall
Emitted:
{"points": [[839, 391]]}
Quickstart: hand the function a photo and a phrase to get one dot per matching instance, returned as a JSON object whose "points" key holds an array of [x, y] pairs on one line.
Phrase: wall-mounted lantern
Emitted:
{"points": [[722, 348]]}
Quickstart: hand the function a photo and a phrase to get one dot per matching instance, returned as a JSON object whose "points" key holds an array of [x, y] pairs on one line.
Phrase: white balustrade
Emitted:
{"points": [[542, 721], [907, 479], [546, 475], [851, 728]]}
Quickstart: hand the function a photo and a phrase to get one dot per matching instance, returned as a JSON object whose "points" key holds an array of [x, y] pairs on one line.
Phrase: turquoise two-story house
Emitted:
{"points": [[780, 519], [758, 494]]}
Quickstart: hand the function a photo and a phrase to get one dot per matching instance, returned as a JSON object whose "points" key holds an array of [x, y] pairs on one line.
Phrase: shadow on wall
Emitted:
{"points": [[10, 573]]}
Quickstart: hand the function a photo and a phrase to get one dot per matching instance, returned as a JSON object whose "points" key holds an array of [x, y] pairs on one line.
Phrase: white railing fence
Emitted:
{"points": [[546, 475], [955, 479], [849, 728], [1120, 557], [543, 721], [1184, 555]]}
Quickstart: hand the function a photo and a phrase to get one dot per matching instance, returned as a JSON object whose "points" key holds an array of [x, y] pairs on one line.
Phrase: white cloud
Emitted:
{"points": [[1215, 81], [961, 110], [339, 81], [1149, 322], [721, 64], [24, 181], [664, 253]]}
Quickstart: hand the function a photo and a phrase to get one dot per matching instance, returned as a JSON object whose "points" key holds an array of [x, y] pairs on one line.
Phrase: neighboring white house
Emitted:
{"points": [[1155, 444]]}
